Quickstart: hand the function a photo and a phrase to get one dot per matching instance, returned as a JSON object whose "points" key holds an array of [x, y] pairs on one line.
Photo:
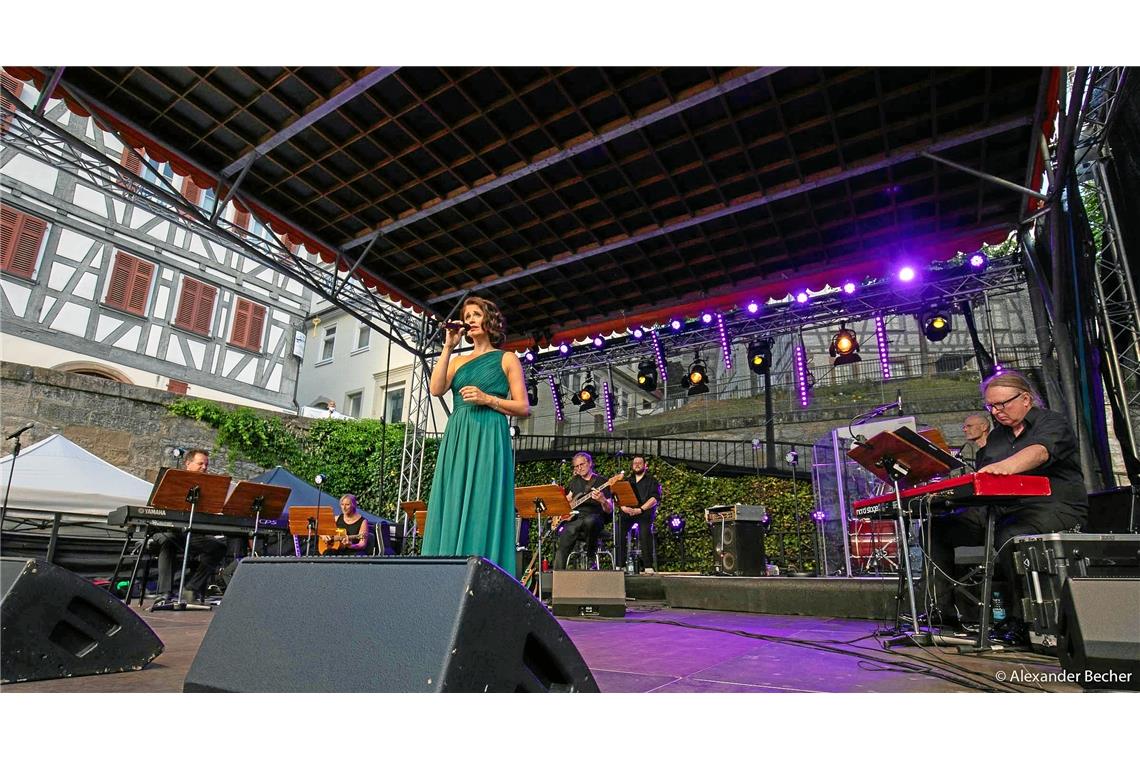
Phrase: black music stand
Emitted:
{"points": [[532, 502], [261, 501], [623, 495], [203, 492], [904, 457]]}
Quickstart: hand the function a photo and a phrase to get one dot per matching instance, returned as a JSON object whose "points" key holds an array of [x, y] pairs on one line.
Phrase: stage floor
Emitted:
{"points": [[657, 649]]}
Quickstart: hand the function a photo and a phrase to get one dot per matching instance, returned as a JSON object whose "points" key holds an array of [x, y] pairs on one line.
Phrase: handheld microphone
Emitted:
{"points": [[21, 431], [455, 326]]}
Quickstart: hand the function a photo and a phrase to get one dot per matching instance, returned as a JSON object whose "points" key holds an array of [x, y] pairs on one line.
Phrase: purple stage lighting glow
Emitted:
{"points": [[638, 333], [802, 297], [706, 318], [801, 374], [978, 260], [906, 274], [884, 351], [848, 288], [564, 348], [725, 346], [819, 515], [528, 356], [557, 396], [599, 341], [752, 307], [658, 357], [608, 404], [676, 324]]}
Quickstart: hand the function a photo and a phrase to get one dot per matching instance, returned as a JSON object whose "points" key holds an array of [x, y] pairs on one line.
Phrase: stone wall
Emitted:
{"points": [[126, 425]]}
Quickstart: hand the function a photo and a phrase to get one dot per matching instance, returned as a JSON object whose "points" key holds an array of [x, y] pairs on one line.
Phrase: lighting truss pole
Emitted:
{"points": [[415, 431]]}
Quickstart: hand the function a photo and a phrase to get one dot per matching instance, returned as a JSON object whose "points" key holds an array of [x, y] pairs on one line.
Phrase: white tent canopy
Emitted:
{"points": [[56, 475]]}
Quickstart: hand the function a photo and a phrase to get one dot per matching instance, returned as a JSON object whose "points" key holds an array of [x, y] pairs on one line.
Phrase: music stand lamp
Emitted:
{"points": [[532, 502], [903, 458], [203, 492]]}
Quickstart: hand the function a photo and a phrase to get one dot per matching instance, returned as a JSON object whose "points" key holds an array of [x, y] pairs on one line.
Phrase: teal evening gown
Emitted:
{"points": [[471, 510]]}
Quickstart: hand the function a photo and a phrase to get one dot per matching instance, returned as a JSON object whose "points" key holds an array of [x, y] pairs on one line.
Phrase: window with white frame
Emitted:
{"points": [[352, 403], [328, 343], [363, 336], [394, 405]]}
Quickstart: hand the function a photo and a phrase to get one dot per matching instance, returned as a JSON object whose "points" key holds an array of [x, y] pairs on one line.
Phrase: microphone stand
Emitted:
{"points": [[258, 503], [539, 508], [312, 525], [192, 497], [16, 446]]}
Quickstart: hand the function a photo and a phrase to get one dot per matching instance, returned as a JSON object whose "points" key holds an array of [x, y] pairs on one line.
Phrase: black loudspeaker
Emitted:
{"points": [[1098, 633], [363, 624], [739, 548], [55, 624], [592, 593]]}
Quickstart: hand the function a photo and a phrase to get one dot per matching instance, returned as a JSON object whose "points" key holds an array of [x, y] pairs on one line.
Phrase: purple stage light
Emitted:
{"points": [[564, 348], [752, 307], [608, 405], [706, 318], [819, 515], [907, 274], [676, 324], [556, 395], [978, 260], [802, 297], [848, 288], [599, 341], [528, 356], [725, 346], [802, 374], [658, 357], [884, 351], [638, 333]]}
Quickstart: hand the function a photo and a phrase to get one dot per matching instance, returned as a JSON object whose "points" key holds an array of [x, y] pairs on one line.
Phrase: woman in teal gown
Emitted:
{"points": [[471, 507]]}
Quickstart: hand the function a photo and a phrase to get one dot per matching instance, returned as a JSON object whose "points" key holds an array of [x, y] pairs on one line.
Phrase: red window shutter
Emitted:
{"points": [[190, 191], [204, 312], [241, 218], [239, 335], [12, 88], [184, 316], [130, 283], [130, 159], [177, 386], [256, 325], [20, 239]]}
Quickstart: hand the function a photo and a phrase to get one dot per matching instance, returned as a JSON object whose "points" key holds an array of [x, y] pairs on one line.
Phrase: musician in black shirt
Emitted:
{"points": [[1029, 440], [210, 550], [592, 514], [648, 493]]}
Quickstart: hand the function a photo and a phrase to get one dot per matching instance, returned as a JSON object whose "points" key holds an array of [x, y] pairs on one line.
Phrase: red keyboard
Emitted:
{"points": [[975, 487]]}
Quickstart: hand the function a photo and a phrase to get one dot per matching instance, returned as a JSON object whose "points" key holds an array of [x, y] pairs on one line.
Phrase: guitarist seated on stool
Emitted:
{"points": [[351, 530], [592, 514]]}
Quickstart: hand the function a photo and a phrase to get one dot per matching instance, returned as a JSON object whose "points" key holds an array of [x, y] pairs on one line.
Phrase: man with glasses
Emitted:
{"points": [[1030, 440], [587, 524]]}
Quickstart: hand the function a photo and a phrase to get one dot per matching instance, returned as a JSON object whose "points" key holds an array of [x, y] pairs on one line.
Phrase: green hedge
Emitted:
{"points": [[353, 454]]}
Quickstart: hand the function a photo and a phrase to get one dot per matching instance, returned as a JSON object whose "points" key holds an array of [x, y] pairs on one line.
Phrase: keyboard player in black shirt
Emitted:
{"points": [[210, 551], [1029, 440]]}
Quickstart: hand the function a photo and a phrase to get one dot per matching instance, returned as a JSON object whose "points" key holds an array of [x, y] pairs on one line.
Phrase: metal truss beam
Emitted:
{"points": [[312, 117], [415, 430], [949, 287], [855, 171], [631, 126], [48, 142]]}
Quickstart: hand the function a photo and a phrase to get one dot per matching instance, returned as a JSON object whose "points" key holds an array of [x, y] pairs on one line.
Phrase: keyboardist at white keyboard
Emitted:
{"points": [[1030, 440]]}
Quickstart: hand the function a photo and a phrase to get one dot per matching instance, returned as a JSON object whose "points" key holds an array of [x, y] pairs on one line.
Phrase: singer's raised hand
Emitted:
{"points": [[451, 338]]}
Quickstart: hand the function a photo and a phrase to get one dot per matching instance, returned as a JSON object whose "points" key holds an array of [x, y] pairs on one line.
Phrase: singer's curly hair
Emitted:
{"points": [[493, 323]]}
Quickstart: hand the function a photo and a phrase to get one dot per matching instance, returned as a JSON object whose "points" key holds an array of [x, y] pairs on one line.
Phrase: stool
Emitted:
{"points": [[579, 551]]}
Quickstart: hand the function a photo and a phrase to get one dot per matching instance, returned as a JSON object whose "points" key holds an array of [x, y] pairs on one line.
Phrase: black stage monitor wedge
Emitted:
{"points": [[398, 624], [1098, 633], [56, 624]]}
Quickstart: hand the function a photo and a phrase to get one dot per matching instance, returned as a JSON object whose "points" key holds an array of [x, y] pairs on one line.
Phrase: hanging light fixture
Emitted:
{"points": [[844, 346]]}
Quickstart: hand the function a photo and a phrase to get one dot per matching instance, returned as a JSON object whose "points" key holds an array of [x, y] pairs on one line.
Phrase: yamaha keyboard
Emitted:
{"points": [[158, 517], [974, 488]]}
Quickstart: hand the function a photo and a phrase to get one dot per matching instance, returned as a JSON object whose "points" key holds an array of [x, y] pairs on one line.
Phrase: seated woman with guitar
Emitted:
{"points": [[590, 505], [351, 531]]}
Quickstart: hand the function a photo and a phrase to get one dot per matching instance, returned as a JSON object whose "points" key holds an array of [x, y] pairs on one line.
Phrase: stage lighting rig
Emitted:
{"points": [[844, 346], [647, 376], [760, 356], [936, 324], [697, 378], [586, 398]]}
